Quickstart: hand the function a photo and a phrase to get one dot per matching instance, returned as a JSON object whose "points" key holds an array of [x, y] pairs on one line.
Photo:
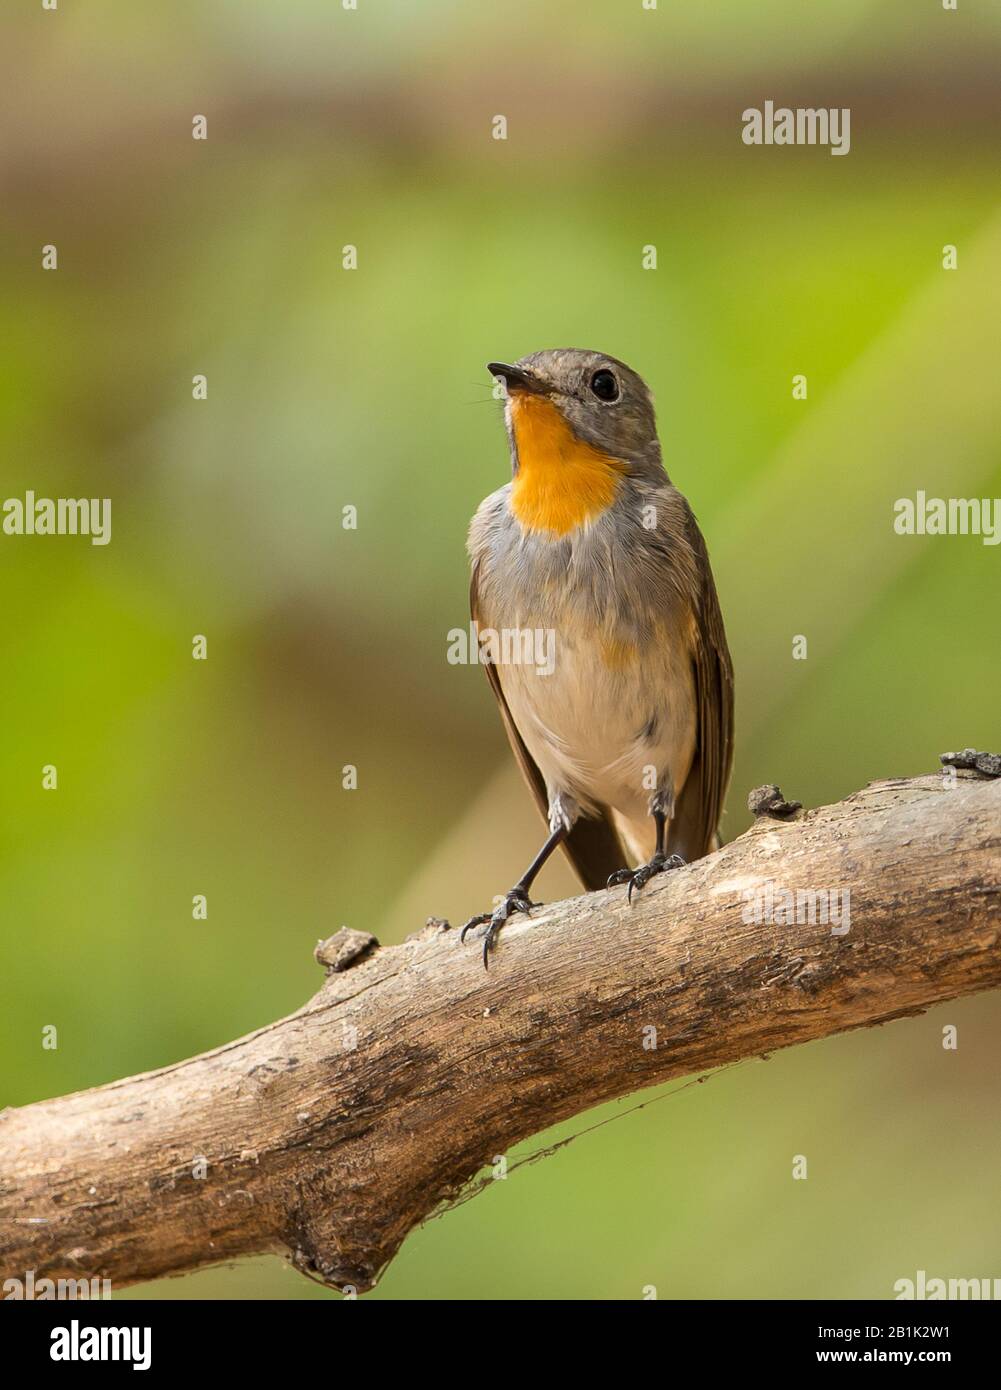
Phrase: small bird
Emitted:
{"points": [[626, 735]]}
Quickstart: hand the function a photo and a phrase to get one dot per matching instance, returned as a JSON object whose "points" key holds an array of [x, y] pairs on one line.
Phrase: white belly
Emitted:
{"points": [[607, 732]]}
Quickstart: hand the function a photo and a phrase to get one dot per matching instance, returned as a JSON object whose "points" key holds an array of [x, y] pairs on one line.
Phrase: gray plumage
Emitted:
{"points": [[637, 712]]}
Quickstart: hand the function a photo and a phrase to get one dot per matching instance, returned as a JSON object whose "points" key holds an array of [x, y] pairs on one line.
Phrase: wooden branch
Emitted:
{"points": [[328, 1135]]}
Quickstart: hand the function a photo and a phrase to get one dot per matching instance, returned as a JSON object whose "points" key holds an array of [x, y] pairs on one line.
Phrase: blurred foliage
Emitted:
{"points": [[327, 646]]}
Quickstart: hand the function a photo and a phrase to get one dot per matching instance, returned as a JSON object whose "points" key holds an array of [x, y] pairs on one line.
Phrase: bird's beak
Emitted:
{"points": [[517, 378]]}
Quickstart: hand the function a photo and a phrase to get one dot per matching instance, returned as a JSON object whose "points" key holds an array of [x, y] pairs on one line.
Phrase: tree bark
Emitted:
{"points": [[328, 1135]]}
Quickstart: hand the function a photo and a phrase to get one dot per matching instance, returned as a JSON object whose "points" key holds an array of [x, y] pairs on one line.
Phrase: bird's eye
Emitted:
{"points": [[604, 386]]}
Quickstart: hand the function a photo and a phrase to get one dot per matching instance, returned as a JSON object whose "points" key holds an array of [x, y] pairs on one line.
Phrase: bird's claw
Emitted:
{"points": [[637, 878], [514, 901]]}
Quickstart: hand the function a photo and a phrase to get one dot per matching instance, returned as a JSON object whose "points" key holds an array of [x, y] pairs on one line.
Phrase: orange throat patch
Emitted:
{"points": [[561, 482]]}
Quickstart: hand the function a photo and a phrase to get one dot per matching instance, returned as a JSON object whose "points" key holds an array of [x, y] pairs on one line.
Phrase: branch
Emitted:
{"points": [[325, 1137]]}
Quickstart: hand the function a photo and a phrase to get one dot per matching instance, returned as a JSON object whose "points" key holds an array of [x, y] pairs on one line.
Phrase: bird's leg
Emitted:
{"points": [[516, 899], [661, 808]]}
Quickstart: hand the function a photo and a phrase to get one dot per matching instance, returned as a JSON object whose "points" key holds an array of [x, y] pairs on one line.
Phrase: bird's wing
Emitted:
{"points": [[592, 846], [697, 814]]}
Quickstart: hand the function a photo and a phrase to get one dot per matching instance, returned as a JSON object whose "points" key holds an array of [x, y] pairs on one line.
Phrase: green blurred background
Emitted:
{"points": [[329, 387]]}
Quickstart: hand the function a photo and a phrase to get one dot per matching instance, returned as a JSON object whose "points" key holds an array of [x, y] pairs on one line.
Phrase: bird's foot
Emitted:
{"points": [[517, 900], [636, 878]]}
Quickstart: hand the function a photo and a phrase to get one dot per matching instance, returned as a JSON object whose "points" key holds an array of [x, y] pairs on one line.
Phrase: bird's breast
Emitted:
{"points": [[561, 482]]}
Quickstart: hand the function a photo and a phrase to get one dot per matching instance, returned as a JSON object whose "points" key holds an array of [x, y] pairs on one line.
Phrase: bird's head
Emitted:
{"points": [[604, 403]]}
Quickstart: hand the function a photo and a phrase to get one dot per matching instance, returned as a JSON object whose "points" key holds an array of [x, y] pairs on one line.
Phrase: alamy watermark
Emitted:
{"points": [[78, 1342], [58, 516], [922, 515], [800, 125], [32, 1289], [934, 1289], [506, 646], [787, 907]]}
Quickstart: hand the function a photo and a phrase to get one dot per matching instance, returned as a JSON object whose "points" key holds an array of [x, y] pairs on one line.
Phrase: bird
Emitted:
{"points": [[625, 736]]}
